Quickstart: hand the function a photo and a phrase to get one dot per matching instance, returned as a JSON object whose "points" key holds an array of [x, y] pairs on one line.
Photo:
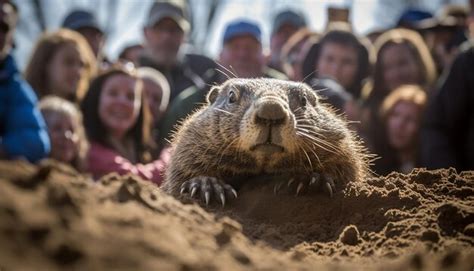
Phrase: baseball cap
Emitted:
{"points": [[81, 18], [288, 17], [411, 17], [173, 9], [241, 28]]}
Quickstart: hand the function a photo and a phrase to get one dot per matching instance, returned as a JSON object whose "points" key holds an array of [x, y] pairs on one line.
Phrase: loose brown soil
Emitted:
{"points": [[52, 218]]}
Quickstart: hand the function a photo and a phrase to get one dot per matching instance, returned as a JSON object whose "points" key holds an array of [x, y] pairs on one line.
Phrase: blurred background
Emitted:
{"points": [[123, 20]]}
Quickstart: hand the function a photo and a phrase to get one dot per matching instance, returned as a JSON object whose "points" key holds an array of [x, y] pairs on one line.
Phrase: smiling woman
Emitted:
{"points": [[118, 124]]}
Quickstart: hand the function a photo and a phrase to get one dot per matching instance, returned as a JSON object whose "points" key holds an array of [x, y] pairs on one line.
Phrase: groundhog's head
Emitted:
{"points": [[271, 120]]}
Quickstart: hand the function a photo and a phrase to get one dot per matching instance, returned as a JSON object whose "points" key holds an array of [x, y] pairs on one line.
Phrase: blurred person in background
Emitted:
{"points": [[339, 55], [23, 132], [157, 91], [444, 33], [285, 24], [131, 53], [402, 57], [66, 131], [241, 56], [118, 125], [294, 51], [61, 64], [401, 113], [448, 130], [86, 23], [165, 31]]}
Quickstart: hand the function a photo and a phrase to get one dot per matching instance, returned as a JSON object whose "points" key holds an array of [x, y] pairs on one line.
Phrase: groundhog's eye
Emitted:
{"points": [[303, 100], [232, 98]]}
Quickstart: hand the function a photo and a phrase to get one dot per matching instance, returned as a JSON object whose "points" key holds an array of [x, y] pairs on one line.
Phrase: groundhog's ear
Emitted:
{"points": [[212, 94]]}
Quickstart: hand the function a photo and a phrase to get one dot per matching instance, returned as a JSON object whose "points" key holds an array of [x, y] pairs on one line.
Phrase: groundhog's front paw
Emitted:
{"points": [[208, 187], [303, 183]]}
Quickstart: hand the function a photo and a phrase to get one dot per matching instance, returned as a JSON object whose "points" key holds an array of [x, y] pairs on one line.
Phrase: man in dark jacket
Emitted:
{"points": [[165, 30], [448, 132], [23, 131]]}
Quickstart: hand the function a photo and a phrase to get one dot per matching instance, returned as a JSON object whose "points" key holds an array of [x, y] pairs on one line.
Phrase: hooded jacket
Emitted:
{"points": [[23, 132]]}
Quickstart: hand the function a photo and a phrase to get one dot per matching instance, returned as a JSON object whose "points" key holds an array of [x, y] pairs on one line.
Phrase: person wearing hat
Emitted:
{"points": [[165, 31], [23, 132], [241, 56], [285, 24], [242, 50], [444, 33], [411, 17], [87, 25]]}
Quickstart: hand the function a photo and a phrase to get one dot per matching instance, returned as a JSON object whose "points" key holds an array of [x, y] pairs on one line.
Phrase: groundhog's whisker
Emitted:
{"points": [[311, 132], [305, 144], [223, 73], [298, 109], [307, 156], [325, 145], [318, 142], [308, 123], [322, 139], [312, 128], [353, 121], [223, 111], [302, 121], [226, 69]]}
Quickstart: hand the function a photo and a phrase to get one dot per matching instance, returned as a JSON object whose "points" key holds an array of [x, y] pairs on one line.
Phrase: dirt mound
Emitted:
{"points": [[52, 218]]}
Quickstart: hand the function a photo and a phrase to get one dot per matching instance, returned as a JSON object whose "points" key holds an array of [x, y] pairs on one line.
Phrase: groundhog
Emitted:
{"points": [[256, 128]]}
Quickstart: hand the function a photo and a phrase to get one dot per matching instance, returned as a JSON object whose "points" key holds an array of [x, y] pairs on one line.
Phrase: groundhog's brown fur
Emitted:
{"points": [[222, 138]]}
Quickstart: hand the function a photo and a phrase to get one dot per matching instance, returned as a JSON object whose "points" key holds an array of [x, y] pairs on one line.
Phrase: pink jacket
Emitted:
{"points": [[102, 160]]}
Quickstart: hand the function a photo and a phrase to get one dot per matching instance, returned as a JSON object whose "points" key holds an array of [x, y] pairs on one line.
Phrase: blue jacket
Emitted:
{"points": [[23, 132]]}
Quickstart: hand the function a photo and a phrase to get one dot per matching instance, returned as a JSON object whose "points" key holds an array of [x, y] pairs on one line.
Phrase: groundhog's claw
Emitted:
{"points": [[329, 186], [299, 188], [315, 180], [208, 186], [207, 196]]}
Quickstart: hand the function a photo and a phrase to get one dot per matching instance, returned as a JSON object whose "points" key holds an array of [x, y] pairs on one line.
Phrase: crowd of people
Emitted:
{"points": [[408, 91]]}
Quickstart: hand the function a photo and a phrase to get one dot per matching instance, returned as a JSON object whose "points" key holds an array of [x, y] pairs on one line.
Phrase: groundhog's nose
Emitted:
{"points": [[270, 112]]}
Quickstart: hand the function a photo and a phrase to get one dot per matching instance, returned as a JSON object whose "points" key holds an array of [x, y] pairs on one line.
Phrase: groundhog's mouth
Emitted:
{"points": [[267, 147]]}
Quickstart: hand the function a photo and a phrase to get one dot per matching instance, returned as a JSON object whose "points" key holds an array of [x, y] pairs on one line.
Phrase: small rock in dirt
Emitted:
{"points": [[430, 235], [469, 230], [350, 235]]}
